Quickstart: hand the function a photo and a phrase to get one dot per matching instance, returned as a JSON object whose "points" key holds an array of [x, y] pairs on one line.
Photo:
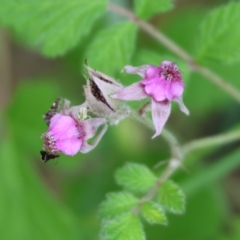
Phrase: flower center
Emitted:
{"points": [[169, 72], [50, 142]]}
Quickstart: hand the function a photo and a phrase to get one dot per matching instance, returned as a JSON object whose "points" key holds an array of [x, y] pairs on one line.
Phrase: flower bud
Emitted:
{"points": [[98, 90]]}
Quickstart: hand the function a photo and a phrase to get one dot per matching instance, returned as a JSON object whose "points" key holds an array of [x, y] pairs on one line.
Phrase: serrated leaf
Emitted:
{"points": [[220, 35], [153, 213], [112, 47], [147, 8], [145, 56], [117, 203], [171, 197], [126, 226], [53, 26], [135, 177]]}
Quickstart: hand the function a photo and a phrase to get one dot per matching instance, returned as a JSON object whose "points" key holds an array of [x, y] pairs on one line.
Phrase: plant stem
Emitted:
{"points": [[173, 47], [151, 31], [173, 165], [210, 141], [178, 153]]}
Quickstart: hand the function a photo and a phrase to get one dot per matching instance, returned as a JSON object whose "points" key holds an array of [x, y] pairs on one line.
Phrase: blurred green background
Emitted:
{"points": [[60, 199]]}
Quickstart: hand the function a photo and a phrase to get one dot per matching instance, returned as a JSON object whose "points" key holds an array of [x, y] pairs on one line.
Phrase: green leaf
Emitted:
{"points": [[220, 35], [147, 8], [206, 208], [117, 203], [112, 47], [171, 197], [234, 234], [32, 210], [153, 213], [31, 100], [135, 177], [145, 56], [53, 26], [126, 226]]}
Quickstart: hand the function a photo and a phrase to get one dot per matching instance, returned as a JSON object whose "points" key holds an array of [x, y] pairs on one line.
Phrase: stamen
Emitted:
{"points": [[169, 72]]}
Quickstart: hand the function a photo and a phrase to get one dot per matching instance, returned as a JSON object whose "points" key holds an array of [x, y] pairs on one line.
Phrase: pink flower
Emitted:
{"points": [[162, 84], [69, 136], [69, 132]]}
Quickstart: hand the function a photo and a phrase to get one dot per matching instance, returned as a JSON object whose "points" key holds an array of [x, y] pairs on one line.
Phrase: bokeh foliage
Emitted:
{"points": [[60, 200]]}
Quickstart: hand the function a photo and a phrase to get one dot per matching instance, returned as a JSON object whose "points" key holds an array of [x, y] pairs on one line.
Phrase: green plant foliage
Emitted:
{"points": [[31, 100], [220, 35], [52, 26], [205, 208], [213, 173], [135, 177], [127, 226], [234, 234], [147, 8], [112, 47], [27, 210], [117, 203], [171, 197], [153, 213]]}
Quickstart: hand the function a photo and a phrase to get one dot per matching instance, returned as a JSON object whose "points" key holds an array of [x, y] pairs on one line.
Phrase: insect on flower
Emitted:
{"points": [[46, 156], [53, 110], [69, 129]]}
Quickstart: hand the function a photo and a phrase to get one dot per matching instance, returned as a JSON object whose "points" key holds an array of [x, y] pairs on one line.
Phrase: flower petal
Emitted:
{"points": [[175, 90], [132, 92], [157, 90], [90, 126], [69, 146], [75, 110], [152, 72], [166, 63], [183, 108], [54, 120], [60, 123], [87, 147], [141, 70], [160, 114], [155, 79]]}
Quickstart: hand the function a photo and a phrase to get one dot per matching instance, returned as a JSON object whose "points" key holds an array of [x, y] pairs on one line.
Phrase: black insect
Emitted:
{"points": [[46, 156], [52, 111]]}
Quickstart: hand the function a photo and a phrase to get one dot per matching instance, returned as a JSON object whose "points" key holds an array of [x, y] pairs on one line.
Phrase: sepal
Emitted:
{"points": [[98, 90]]}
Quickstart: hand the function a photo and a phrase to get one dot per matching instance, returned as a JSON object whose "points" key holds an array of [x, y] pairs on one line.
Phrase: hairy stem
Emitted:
{"points": [[173, 47]]}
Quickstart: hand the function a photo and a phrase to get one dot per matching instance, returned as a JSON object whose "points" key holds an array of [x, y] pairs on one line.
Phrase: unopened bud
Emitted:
{"points": [[98, 90]]}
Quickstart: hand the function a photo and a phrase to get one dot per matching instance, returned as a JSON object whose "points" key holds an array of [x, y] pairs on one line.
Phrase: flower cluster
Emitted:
{"points": [[70, 128]]}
